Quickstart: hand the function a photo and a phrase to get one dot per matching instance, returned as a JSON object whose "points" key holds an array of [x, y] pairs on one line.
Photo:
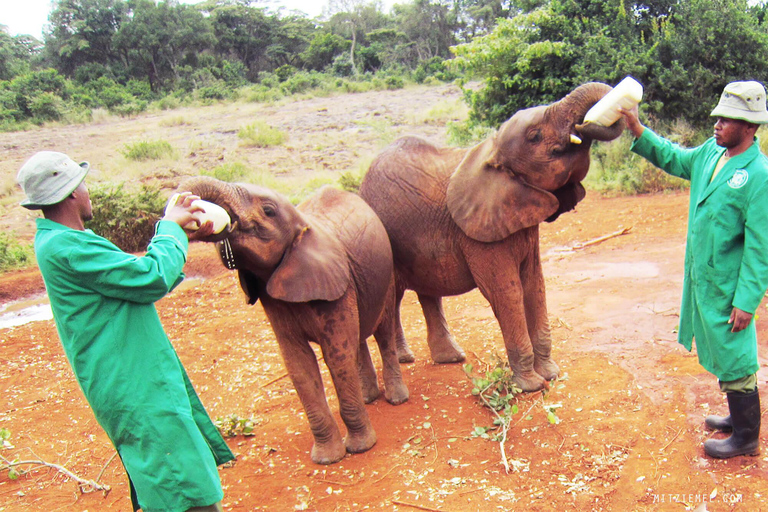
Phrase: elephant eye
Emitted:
{"points": [[534, 136], [269, 210]]}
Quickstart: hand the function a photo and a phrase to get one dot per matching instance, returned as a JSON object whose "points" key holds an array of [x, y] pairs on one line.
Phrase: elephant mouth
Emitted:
{"points": [[226, 254], [567, 197]]}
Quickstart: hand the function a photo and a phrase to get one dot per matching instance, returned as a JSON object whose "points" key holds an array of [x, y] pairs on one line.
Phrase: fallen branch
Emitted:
{"points": [[582, 245], [85, 485]]}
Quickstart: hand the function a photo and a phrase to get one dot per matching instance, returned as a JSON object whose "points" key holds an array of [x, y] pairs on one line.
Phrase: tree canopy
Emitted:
{"points": [[121, 54]]}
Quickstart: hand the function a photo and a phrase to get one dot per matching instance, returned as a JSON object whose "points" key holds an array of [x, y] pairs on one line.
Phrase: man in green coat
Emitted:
{"points": [[103, 305], [726, 254]]}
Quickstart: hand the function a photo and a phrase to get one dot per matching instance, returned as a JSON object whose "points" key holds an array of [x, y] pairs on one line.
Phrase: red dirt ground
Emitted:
{"points": [[630, 423]]}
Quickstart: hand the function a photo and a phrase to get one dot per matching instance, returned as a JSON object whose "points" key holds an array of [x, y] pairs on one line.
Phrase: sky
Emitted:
{"points": [[29, 16]]}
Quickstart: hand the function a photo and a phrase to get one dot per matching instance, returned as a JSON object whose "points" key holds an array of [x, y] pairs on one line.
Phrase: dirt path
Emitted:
{"points": [[631, 400]]}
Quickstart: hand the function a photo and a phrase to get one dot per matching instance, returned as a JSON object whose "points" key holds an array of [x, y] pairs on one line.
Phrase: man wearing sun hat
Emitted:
{"points": [[103, 305], [726, 254]]}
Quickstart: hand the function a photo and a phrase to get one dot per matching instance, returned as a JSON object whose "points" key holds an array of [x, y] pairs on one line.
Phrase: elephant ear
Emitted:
{"points": [[252, 286], [488, 202], [315, 267]]}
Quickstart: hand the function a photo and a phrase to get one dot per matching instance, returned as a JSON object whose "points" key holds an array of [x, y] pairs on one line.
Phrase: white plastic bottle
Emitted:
{"points": [[626, 95], [211, 211]]}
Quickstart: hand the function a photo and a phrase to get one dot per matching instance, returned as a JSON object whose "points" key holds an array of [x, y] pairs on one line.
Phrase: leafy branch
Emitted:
{"points": [[497, 391]]}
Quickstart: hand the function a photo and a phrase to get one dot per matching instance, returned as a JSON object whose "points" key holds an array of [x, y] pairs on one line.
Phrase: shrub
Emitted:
{"points": [[615, 169], [350, 181], [14, 254], [146, 150], [46, 107], [235, 171], [126, 218], [261, 135]]}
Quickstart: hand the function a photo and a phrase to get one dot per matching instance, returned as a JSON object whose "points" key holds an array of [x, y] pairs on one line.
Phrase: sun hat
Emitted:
{"points": [[49, 177], [743, 100]]}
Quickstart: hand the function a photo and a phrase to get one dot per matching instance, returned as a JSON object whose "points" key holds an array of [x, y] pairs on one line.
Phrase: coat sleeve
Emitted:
{"points": [[145, 279], [753, 273], [666, 155]]}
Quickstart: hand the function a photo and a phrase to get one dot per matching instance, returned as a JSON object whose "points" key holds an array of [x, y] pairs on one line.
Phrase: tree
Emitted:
{"points": [[429, 27], [158, 38], [82, 31], [242, 32], [16, 54], [353, 19]]}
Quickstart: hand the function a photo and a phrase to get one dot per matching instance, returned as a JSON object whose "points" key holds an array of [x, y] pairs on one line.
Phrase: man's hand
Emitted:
{"points": [[740, 320], [633, 121], [182, 213]]}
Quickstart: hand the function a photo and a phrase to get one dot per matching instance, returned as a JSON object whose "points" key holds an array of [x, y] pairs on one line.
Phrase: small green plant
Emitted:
{"points": [[148, 150], [14, 254], [126, 218], [233, 425], [497, 390], [261, 135], [350, 181], [231, 172]]}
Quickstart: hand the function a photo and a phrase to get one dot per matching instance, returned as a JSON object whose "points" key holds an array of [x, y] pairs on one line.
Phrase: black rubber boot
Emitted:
{"points": [[721, 423], [745, 439]]}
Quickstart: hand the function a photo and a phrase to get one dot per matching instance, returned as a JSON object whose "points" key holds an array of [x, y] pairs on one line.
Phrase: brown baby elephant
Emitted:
{"points": [[460, 219], [323, 272]]}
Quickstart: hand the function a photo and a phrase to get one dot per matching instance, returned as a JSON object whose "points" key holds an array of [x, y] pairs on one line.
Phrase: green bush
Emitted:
{"points": [[46, 107], [146, 150], [14, 254], [350, 181], [616, 170], [261, 135], [126, 218], [232, 172]]}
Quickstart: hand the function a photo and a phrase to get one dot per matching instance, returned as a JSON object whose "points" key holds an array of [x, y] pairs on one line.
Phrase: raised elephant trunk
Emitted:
{"points": [[583, 98]]}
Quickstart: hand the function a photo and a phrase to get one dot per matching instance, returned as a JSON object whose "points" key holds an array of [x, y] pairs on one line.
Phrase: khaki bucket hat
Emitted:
{"points": [[48, 178], [743, 100]]}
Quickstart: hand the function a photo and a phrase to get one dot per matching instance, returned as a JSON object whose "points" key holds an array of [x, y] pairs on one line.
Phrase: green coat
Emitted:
{"points": [[103, 304], [726, 254]]}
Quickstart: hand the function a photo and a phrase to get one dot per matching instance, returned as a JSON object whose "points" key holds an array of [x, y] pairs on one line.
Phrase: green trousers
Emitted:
{"points": [[744, 385]]}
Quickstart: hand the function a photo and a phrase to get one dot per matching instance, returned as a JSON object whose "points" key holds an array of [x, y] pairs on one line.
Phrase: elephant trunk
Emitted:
{"points": [[580, 100], [218, 192]]}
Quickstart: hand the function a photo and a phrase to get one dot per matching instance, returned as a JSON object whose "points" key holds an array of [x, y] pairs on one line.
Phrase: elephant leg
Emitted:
{"points": [[301, 363], [404, 352], [442, 345], [340, 351], [505, 294], [367, 371], [395, 390], [534, 291]]}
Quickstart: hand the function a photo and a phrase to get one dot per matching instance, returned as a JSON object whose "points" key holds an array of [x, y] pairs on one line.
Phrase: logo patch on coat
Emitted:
{"points": [[739, 179]]}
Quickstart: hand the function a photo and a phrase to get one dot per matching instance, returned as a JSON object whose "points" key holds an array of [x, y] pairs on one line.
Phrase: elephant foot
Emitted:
{"points": [[328, 453], [405, 354], [449, 354], [360, 441], [547, 368], [397, 394], [529, 381], [370, 393]]}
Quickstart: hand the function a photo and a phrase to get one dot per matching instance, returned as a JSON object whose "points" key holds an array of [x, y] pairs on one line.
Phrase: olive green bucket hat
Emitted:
{"points": [[48, 178], [743, 100]]}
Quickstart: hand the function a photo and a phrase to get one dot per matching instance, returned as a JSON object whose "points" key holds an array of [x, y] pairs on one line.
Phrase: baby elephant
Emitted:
{"points": [[323, 272]]}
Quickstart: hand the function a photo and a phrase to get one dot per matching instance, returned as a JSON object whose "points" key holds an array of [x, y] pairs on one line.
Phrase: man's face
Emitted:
{"points": [[84, 202], [730, 133]]}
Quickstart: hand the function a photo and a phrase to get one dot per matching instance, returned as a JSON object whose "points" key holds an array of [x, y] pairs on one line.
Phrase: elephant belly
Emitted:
{"points": [[436, 273]]}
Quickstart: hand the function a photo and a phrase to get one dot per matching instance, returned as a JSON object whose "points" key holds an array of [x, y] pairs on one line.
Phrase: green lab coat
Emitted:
{"points": [[726, 254], [103, 304]]}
